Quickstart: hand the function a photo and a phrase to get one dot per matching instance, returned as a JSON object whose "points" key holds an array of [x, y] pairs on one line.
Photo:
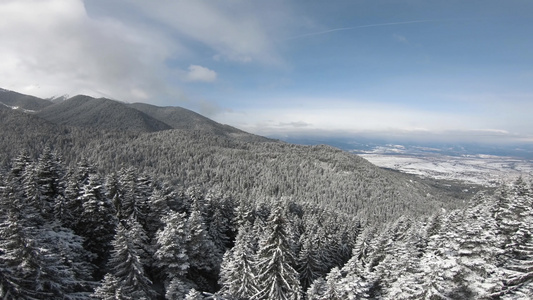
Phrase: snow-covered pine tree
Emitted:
{"points": [[515, 217], [276, 277], [202, 252], [193, 295], [126, 267], [440, 275], [177, 289], [171, 254], [333, 289], [126, 194], [97, 220], [479, 248], [159, 203], [237, 272], [140, 240], [70, 209], [109, 289], [29, 268], [220, 217], [49, 178], [309, 264], [316, 290], [19, 164]]}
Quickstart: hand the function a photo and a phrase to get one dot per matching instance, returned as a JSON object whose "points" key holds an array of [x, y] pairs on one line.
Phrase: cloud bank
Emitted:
{"points": [[126, 50], [345, 118]]}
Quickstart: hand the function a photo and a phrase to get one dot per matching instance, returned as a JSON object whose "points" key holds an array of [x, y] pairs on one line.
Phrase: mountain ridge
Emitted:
{"points": [[26, 102], [103, 113]]}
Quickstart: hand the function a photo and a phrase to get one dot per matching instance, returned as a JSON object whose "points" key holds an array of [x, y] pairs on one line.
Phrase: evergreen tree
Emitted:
{"points": [[332, 289], [19, 164], [97, 220], [237, 274], [171, 254], [159, 202], [48, 176], [193, 295], [316, 290], [219, 219], [29, 268], [200, 248], [177, 289], [70, 209], [109, 289], [309, 264], [275, 276], [514, 215], [126, 267]]}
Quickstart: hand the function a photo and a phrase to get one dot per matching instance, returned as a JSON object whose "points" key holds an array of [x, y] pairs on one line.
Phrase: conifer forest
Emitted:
{"points": [[211, 212]]}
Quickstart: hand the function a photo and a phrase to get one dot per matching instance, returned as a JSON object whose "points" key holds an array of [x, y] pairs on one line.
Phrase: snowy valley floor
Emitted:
{"points": [[487, 170]]}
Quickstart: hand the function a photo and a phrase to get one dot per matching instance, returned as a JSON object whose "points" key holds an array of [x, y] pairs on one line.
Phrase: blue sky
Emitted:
{"points": [[450, 70]]}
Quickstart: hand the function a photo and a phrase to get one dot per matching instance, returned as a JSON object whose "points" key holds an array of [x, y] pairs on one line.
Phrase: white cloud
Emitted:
{"points": [[56, 46], [199, 73], [234, 30], [127, 50]]}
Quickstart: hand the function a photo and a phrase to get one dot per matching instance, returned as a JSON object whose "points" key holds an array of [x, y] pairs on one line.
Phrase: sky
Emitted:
{"points": [[450, 70]]}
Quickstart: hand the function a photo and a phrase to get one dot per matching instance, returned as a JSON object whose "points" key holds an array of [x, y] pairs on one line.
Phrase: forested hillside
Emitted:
{"points": [[193, 209], [237, 165], [85, 111], [74, 233]]}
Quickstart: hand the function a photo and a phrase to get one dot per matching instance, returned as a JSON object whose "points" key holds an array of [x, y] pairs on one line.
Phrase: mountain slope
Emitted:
{"points": [[181, 118], [251, 169], [21, 101], [100, 113]]}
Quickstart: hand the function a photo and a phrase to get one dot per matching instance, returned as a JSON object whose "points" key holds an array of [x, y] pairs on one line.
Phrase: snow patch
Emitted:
{"points": [[18, 108]]}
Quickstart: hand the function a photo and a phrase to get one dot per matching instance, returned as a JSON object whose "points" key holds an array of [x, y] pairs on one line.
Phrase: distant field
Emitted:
{"points": [[487, 170]]}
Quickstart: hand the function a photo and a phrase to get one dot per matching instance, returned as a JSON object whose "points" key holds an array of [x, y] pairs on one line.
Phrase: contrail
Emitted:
{"points": [[356, 27]]}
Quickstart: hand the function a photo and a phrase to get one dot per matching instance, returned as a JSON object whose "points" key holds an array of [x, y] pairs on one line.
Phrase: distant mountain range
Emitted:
{"points": [[102, 113]]}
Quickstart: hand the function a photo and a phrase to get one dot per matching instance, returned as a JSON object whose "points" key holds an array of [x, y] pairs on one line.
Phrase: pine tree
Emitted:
{"points": [[19, 164], [171, 254], [159, 203], [514, 214], [316, 290], [97, 220], [237, 274], [177, 289], [109, 289], [200, 248], [219, 219], [70, 209], [276, 277], [127, 269], [332, 290], [309, 265], [193, 295], [48, 176], [29, 268]]}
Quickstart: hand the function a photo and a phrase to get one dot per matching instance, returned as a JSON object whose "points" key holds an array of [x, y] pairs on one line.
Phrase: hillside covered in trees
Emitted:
{"points": [[185, 208], [77, 234], [202, 152]]}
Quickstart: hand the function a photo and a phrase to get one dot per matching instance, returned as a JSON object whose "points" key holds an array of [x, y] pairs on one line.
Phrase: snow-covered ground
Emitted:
{"points": [[487, 170]]}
